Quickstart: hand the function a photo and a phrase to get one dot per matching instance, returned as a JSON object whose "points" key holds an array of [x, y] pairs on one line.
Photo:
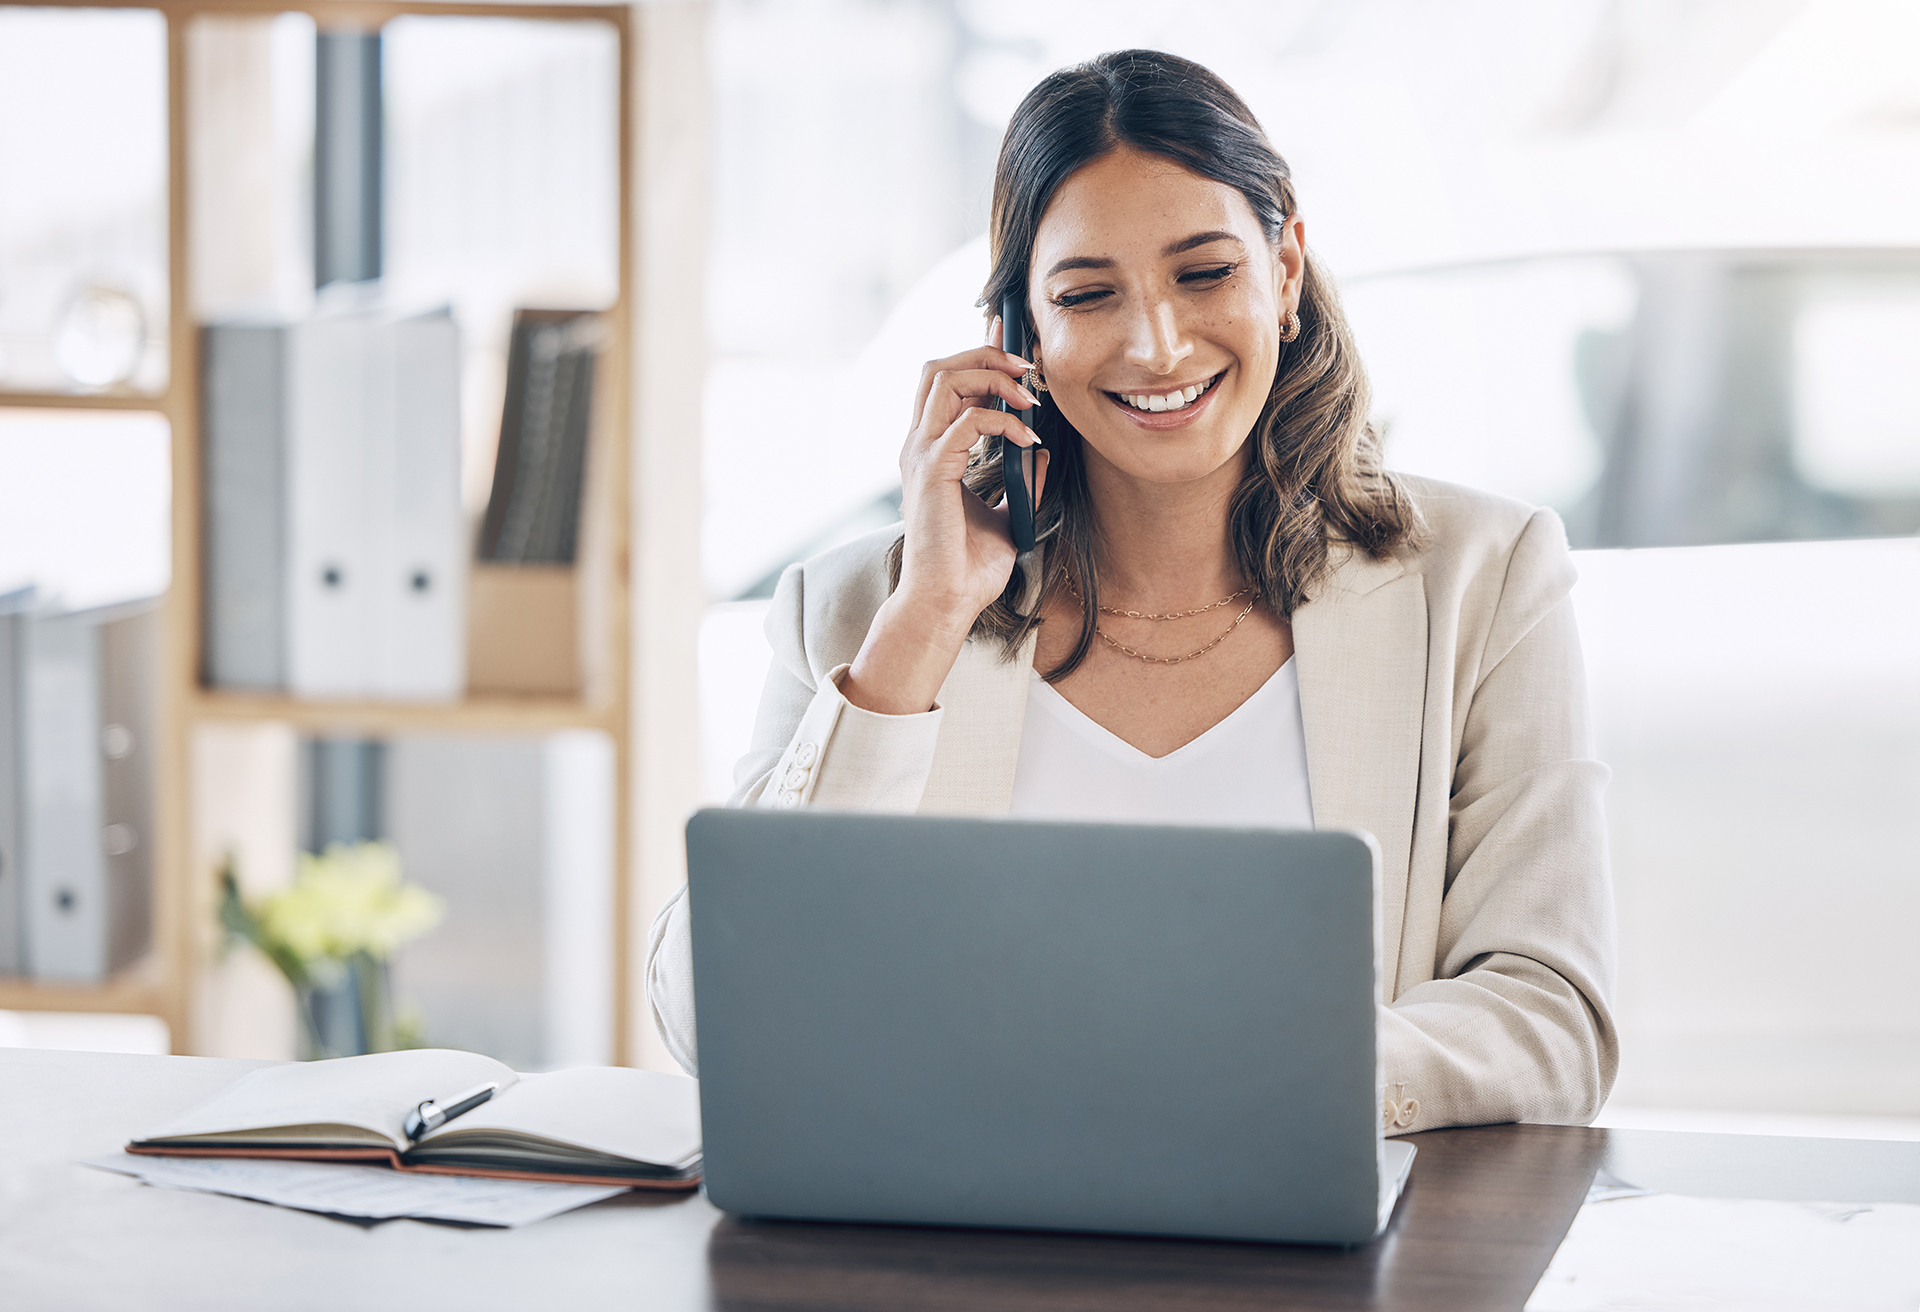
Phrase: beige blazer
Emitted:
{"points": [[1445, 713]]}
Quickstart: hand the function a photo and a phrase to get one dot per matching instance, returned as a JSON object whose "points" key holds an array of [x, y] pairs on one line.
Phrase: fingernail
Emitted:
{"points": [[1017, 360], [1028, 397]]}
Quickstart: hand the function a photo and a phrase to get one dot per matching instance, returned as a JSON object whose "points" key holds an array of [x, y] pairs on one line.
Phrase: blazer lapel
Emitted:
{"points": [[1360, 650]]}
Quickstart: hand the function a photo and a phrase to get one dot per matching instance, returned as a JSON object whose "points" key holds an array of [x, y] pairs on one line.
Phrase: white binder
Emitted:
{"points": [[331, 555], [66, 867], [86, 696], [377, 547], [421, 587]]}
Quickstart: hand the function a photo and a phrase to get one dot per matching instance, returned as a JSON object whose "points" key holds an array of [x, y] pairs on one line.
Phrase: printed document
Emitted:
{"points": [[366, 1192], [1666, 1251]]}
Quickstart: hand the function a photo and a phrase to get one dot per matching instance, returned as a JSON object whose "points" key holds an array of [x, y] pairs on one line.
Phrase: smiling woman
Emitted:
{"points": [[1233, 616]]}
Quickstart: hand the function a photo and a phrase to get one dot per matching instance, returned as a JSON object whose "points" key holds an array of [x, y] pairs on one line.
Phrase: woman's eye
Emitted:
{"points": [[1068, 300], [1204, 276]]}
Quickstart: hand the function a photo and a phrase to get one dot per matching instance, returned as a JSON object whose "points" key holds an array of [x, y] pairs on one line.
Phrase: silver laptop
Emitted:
{"points": [[1129, 1028]]}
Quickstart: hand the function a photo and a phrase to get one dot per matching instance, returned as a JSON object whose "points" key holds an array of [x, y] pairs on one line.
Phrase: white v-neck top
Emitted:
{"points": [[1248, 770]]}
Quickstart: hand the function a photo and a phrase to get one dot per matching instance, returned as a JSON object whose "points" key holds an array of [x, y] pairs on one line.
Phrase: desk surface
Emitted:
{"points": [[1479, 1221]]}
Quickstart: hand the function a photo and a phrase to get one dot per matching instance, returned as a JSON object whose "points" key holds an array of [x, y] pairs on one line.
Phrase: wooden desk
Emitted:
{"points": [[1480, 1219]]}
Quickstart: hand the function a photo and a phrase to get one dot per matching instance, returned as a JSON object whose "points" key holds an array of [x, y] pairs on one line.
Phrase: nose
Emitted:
{"points": [[1156, 341]]}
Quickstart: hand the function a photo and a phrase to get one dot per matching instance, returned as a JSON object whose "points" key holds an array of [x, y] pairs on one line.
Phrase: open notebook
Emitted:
{"points": [[606, 1125]]}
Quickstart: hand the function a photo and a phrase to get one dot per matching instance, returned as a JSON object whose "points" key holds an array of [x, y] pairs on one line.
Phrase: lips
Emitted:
{"points": [[1176, 410], [1155, 403]]}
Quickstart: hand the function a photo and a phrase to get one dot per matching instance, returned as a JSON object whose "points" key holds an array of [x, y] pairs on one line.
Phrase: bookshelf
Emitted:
{"points": [[638, 458]]}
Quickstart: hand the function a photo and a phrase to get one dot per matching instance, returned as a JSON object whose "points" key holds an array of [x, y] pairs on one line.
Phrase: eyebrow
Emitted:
{"points": [[1201, 239], [1185, 244]]}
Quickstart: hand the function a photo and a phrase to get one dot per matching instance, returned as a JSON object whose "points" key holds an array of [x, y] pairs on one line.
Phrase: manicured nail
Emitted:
{"points": [[1028, 397], [1017, 360]]}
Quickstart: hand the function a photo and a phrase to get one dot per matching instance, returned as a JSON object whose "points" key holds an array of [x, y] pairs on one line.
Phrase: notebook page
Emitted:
{"points": [[644, 1116], [374, 1092]]}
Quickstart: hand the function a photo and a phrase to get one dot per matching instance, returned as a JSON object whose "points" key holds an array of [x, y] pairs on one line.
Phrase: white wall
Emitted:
{"points": [[1760, 706]]}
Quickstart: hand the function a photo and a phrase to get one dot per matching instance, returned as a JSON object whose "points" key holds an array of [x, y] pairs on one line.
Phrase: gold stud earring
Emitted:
{"points": [[1291, 329]]}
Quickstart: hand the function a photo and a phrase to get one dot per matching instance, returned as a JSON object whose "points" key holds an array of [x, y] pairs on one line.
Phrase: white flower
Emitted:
{"points": [[350, 899]]}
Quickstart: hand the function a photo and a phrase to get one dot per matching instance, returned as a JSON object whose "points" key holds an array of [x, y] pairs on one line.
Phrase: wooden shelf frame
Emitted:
{"points": [[151, 404], [488, 714], [140, 988], [164, 982]]}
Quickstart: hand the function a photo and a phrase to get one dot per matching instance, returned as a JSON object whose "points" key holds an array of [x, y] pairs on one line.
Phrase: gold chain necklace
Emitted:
{"points": [[1172, 615], [1121, 647]]}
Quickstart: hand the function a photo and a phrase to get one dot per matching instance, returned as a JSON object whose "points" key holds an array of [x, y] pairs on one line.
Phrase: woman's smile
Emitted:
{"points": [[1167, 407]]}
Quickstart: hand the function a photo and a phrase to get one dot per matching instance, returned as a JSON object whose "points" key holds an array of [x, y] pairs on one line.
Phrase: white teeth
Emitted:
{"points": [[1161, 402]]}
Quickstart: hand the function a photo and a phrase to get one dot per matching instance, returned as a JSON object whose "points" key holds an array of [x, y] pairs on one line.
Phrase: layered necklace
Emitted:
{"points": [[1125, 650]]}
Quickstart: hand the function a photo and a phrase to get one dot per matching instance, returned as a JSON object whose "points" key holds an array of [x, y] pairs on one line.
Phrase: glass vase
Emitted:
{"points": [[346, 1009]]}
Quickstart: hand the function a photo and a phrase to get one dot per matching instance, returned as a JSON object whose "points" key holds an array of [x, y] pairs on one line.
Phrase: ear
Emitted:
{"points": [[1290, 266]]}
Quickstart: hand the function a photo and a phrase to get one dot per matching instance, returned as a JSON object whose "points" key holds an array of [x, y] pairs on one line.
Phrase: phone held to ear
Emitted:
{"points": [[1018, 462]]}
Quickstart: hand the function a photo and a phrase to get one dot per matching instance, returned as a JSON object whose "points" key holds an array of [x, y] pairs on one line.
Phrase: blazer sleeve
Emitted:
{"points": [[810, 747], [1516, 1025]]}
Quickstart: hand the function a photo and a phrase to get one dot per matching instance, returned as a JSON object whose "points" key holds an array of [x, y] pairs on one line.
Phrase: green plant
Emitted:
{"points": [[331, 932]]}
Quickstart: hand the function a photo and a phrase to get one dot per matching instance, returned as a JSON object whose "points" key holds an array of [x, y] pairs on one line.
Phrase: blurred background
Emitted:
{"points": [[1653, 263]]}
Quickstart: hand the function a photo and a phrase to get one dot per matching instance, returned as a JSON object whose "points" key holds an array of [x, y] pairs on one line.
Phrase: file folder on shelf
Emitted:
{"points": [[336, 545], [421, 592], [533, 514], [244, 446], [332, 405], [526, 628], [12, 746], [129, 691], [66, 874], [87, 691]]}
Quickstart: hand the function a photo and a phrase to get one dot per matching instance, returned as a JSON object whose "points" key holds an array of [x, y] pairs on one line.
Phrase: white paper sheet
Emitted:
{"points": [[1666, 1251], [370, 1192]]}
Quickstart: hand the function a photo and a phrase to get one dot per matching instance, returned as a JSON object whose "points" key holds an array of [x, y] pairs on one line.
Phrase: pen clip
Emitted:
{"points": [[423, 1117], [429, 1115]]}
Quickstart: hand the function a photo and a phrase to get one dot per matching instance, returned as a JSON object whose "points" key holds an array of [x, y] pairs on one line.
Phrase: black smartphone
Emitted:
{"points": [[1018, 462]]}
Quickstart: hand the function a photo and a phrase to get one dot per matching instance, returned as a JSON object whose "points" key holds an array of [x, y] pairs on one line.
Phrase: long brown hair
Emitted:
{"points": [[1316, 475]]}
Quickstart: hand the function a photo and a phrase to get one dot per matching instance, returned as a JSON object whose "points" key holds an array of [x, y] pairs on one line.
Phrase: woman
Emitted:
{"points": [[1234, 615]]}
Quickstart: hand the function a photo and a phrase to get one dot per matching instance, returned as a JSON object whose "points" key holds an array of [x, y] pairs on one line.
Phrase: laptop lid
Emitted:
{"points": [[992, 1022]]}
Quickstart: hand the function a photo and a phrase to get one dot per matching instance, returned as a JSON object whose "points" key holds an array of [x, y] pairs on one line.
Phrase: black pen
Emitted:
{"points": [[430, 1115]]}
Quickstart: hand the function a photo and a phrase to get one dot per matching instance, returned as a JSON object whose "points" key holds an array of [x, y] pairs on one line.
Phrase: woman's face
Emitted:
{"points": [[1157, 303]]}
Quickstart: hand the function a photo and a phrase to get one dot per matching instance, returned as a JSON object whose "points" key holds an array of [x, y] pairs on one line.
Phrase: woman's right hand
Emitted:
{"points": [[959, 551]]}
